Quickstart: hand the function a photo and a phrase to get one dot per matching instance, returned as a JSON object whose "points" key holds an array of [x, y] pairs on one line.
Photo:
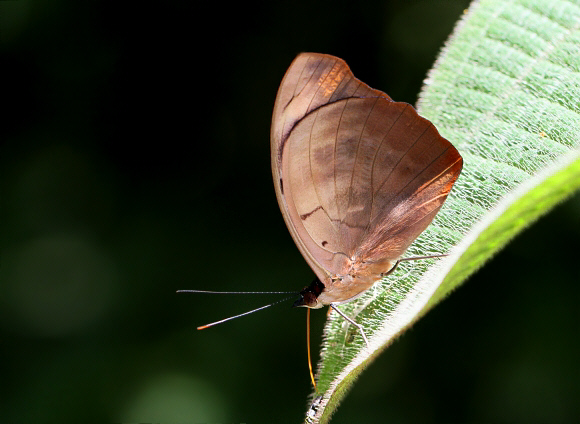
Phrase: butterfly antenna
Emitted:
{"points": [[203, 327], [236, 292]]}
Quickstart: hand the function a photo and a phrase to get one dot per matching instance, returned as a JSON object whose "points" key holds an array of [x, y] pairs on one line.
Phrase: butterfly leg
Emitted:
{"points": [[360, 328], [415, 258], [384, 274]]}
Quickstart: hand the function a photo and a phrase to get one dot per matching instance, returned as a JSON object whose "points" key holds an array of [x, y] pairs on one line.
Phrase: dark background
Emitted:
{"points": [[135, 161]]}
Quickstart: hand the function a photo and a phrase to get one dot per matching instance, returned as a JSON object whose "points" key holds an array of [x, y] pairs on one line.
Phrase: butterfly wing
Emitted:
{"points": [[348, 162]]}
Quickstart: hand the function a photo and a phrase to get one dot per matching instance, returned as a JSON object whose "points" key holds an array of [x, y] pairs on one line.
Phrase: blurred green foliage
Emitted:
{"points": [[135, 161]]}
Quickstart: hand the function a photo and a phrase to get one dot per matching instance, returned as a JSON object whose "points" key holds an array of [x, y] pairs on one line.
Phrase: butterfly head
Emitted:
{"points": [[309, 295]]}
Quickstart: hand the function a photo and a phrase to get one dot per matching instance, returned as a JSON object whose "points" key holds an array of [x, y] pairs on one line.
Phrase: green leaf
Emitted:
{"points": [[506, 92]]}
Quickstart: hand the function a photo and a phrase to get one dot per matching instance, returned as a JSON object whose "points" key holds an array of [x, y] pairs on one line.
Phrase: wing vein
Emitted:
{"points": [[373, 167], [401, 158], [334, 168], [419, 174], [319, 85], [355, 160], [312, 174]]}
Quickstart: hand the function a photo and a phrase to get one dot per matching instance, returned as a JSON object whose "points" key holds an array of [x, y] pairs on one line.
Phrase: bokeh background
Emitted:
{"points": [[135, 161]]}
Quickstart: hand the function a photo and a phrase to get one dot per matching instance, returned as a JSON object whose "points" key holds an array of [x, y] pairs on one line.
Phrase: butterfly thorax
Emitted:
{"points": [[358, 276]]}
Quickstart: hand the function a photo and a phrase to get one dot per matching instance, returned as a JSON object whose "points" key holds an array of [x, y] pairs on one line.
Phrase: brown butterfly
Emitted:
{"points": [[358, 177]]}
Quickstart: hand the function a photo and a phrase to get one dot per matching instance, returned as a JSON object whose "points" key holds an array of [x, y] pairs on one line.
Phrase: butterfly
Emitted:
{"points": [[357, 176]]}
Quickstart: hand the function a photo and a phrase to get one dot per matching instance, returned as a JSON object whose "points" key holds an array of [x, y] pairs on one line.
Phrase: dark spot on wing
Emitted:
{"points": [[323, 155], [324, 243], [281, 187]]}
